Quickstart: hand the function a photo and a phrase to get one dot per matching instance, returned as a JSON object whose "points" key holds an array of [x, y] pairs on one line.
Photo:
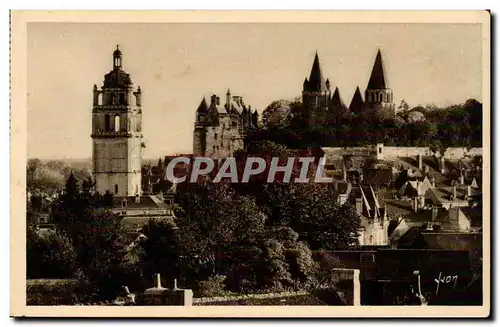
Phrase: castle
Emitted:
{"points": [[219, 130], [318, 99]]}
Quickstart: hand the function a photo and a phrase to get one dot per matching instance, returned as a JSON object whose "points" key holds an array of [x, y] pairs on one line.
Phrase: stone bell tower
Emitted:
{"points": [[117, 133]]}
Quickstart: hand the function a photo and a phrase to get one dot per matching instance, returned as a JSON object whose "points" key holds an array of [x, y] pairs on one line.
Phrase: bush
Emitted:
{"points": [[213, 286]]}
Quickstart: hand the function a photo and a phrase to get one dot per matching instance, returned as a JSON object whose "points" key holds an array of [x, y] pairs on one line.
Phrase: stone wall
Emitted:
{"points": [[392, 152]]}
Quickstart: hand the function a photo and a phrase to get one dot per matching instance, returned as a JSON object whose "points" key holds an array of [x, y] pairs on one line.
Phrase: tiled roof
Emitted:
{"points": [[145, 201], [377, 177], [474, 214]]}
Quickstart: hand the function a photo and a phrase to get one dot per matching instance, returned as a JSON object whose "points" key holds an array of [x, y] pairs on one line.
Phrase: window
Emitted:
{"points": [[122, 98], [107, 123], [124, 203], [367, 257], [116, 188], [379, 150], [117, 123], [215, 136]]}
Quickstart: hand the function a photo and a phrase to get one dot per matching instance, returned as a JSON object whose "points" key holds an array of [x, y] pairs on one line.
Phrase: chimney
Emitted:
{"points": [[426, 169], [419, 159], [359, 206], [454, 192], [433, 182], [415, 204], [228, 98], [461, 179], [213, 100], [469, 190], [217, 102], [137, 198]]}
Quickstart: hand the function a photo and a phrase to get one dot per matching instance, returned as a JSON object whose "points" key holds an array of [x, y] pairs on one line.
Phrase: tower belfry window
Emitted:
{"points": [[117, 123], [107, 123]]}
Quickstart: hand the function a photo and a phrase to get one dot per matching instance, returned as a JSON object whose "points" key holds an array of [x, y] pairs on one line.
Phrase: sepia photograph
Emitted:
{"points": [[327, 164]]}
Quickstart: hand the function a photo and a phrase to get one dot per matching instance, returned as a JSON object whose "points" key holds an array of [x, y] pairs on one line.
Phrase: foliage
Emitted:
{"points": [[213, 286], [277, 114], [49, 176], [457, 125], [52, 256]]}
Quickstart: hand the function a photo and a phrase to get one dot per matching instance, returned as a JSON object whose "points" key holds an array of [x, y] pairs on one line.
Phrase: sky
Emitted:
{"points": [[176, 64]]}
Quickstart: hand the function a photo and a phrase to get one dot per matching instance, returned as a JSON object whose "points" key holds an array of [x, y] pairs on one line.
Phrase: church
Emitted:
{"points": [[318, 99], [117, 144]]}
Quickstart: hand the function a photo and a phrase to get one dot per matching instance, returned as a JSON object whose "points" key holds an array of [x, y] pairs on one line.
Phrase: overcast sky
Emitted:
{"points": [[177, 64]]}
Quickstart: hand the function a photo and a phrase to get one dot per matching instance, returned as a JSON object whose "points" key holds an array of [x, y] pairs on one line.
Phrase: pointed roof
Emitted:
{"points": [[316, 79], [377, 78], [336, 99], [357, 101], [203, 107]]}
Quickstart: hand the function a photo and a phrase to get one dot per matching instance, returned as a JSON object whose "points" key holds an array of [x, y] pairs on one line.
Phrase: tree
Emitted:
{"points": [[97, 236], [219, 224], [162, 250], [277, 114], [52, 256]]}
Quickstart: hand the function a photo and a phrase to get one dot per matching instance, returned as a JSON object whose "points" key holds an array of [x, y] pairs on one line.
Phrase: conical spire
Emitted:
{"points": [[377, 78], [316, 80], [203, 107], [356, 102], [336, 99]]}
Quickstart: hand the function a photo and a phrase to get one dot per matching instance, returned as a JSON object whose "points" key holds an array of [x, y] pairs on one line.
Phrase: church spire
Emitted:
{"points": [[377, 78], [337, 100], [357, 103], [316, 80]]}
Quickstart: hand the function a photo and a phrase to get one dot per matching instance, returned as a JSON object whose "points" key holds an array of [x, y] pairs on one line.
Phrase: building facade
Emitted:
{"points": [[220, 129], [320, 102], [117, 133]]}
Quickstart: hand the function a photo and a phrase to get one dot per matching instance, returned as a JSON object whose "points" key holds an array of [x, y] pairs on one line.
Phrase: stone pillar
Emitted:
{"points": [[159, 295], [356, 288]]}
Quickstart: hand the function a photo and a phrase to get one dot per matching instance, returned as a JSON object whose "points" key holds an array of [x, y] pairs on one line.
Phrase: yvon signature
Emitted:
{"points": [[445, 280]]}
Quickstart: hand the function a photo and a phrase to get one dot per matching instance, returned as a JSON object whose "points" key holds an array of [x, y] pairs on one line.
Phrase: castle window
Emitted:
{"points": [[381, 97], [117, 123], [116, 188]]}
